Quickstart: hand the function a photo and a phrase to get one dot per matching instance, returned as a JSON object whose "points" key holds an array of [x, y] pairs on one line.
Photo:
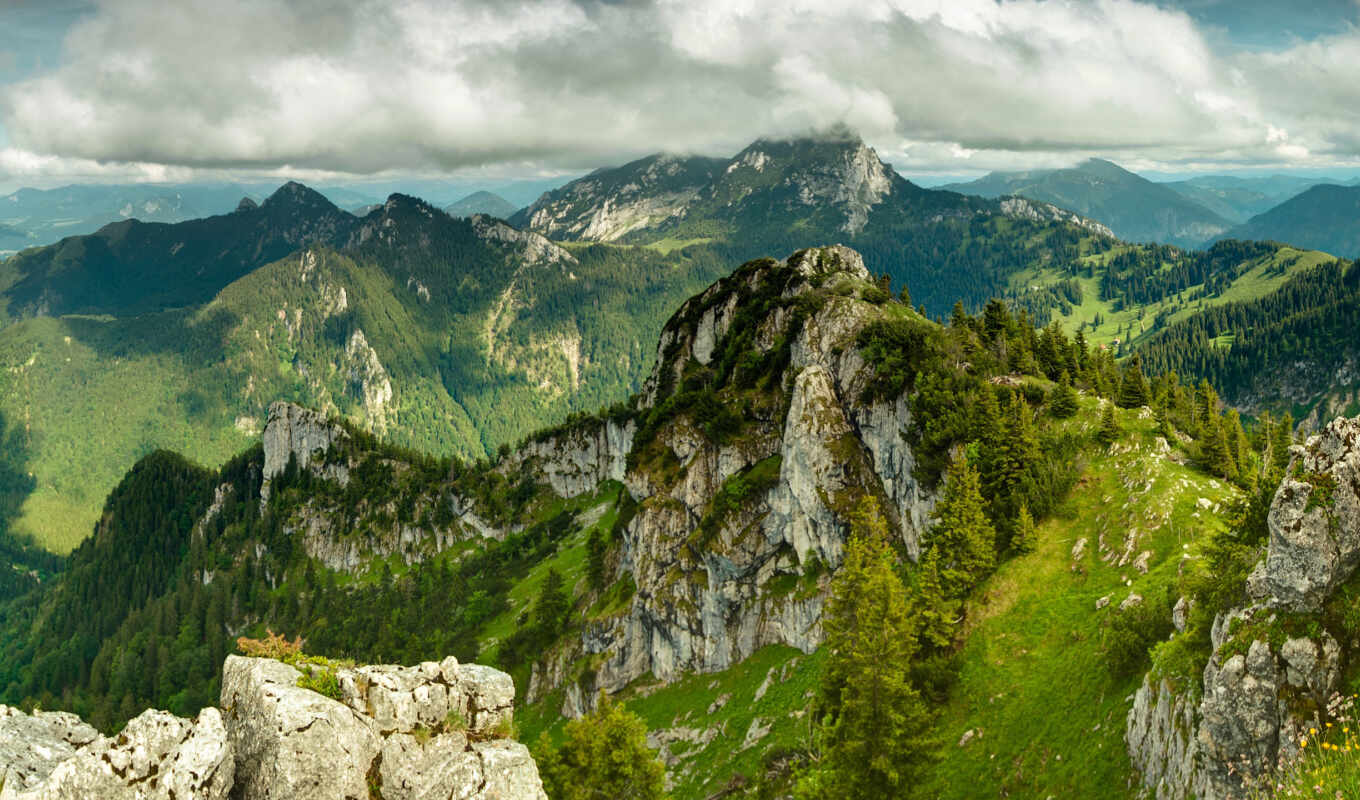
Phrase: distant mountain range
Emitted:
{"points": [[1135, 208], [1239, 199], [1325, 217], [488, 203]]}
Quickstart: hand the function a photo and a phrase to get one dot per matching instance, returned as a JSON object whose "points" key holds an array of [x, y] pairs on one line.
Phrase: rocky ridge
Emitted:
{"points": [[705, 572], [1274, 666], [436, 730]]}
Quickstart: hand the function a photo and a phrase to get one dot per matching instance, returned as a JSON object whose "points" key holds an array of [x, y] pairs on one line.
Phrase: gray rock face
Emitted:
{"points": [[32, 745], [296, 432], [157, 756], [1315, 519], [292, 742], [576, 460], [701, 607], [424, 731], [1256, 700], [1161, 738], [428, 732]]}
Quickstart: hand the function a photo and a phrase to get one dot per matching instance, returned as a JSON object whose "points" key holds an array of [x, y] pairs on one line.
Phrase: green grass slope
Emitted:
{"points": [[1033, 677]]}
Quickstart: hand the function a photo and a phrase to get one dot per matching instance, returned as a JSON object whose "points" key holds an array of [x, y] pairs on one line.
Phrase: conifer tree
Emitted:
{"points": [[874, 724], [1062, 401], [595, 555], [1133, 388], [605, 755], [1214, 450], [962, 532], [550, 611], [935, 609], [1280, 442], [1109, 431], [1026, 532]]}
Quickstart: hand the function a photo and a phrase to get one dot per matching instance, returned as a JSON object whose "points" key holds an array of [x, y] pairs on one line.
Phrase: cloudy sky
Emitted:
{"points": [[335, 89]]}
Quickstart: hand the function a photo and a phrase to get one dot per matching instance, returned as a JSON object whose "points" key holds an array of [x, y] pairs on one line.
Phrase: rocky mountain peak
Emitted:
{"points": [[246, 204]]}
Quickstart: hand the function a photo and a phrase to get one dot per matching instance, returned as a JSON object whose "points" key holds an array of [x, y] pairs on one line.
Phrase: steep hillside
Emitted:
{"points": [[1324, 217], [1135, 208], [612, 202], [454, 336]]}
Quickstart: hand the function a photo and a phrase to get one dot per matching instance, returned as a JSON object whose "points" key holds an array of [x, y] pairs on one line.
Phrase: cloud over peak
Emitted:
{"points": [[359, 86]]}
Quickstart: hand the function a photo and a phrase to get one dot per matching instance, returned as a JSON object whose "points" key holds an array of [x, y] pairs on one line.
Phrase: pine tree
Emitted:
{"points": [[1280, 442], [1214, 450], [962, 532], [1062, 401], [550, 612], [1109, 431], [874, 724], [935, 609], [1026, 533], [595, 555], [1133, 388], [605, 755]]}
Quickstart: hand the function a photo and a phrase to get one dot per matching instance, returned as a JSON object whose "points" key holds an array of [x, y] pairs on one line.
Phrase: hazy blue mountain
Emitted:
{"points": [[1325, 217], [482, 203], [1135, 208], [1240, 199]]}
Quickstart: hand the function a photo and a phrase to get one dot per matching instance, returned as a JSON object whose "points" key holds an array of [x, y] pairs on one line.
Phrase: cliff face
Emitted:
{"points": [[750, 445], [395, 733], [1274, 665], [736, 530]]}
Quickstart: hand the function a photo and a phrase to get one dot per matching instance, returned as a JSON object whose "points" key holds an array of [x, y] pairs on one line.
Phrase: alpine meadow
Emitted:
{"points": [[564, 400]]}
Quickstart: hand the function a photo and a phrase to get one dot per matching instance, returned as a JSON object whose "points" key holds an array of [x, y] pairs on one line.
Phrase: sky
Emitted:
{"points": [[495, 90]]}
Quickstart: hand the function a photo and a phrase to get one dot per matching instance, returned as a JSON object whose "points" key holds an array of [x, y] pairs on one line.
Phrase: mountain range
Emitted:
{"points": [[1324, 217], [462, 336], [487, 203], [1135, 208]]}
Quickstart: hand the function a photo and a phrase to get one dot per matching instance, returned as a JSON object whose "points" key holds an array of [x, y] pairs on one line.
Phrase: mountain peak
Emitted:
{"points": [[296, 195]]}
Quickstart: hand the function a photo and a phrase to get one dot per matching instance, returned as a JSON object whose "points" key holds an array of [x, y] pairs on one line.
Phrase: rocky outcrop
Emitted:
{"points": [[1274, 666], [294, 432], [717, 580], [397, 733], [575, 460], [394, 732], [1315, 520], [157, 756]]}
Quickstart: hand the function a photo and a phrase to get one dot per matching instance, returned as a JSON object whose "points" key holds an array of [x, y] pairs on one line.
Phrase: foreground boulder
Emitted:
{"points": [[399, 733], [157, 756], [437, 730]]}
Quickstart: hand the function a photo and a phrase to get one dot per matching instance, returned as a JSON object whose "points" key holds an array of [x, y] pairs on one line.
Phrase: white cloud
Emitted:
{"points": [[362, 86]]}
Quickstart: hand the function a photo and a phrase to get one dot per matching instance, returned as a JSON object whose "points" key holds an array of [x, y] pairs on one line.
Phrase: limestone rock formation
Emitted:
{"points": [[296, 432], [157, 756], [402, 732], [574, 461], [1257, 698], [1315, 520], [704, 571], [435, 730]]}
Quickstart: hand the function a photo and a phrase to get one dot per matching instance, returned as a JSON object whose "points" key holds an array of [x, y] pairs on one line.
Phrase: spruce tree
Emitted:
{"points": [[962, 532], [1026, 532], [935, 609], [595, 555], [874, 724], [605, 755], [550, 611], [1109, 431], [1062, 401], [1281, 440], [1133, 388], [1214, 450]]}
